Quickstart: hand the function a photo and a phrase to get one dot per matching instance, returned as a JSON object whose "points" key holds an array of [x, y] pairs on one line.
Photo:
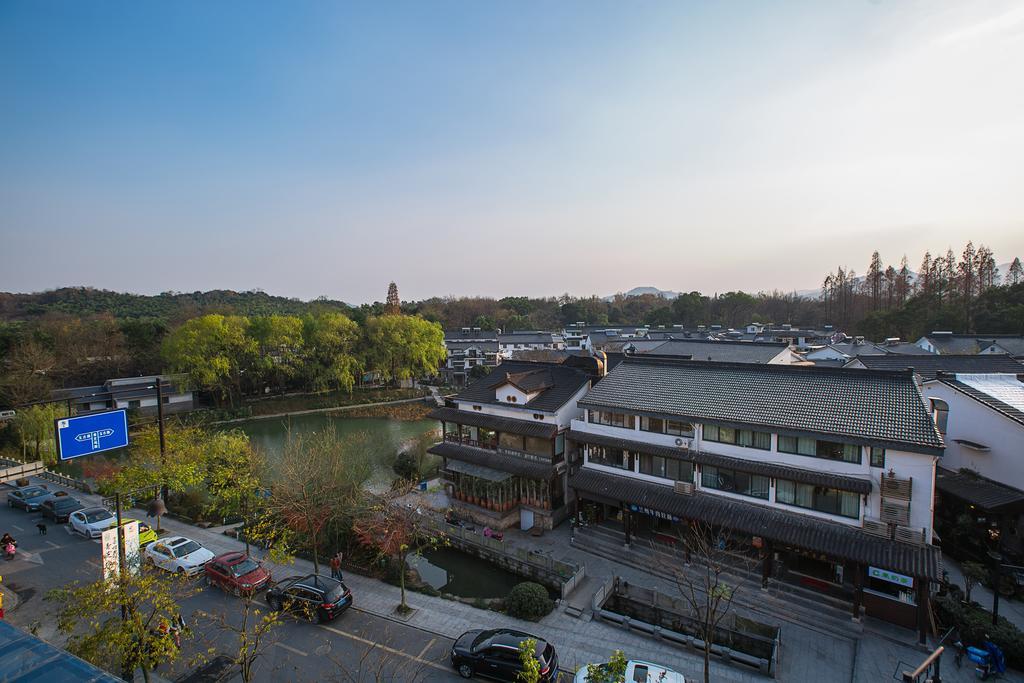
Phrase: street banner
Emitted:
{"points": [[132, 558], [93, 433], [109, 554]]}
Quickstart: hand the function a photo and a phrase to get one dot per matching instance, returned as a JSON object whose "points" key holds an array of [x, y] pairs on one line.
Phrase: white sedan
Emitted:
{"points": [[178, 554], [638, 671], [92, 522]]}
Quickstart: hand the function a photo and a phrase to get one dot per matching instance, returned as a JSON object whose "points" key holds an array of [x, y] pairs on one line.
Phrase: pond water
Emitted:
{"points": [[461, 574], [386, 435]]}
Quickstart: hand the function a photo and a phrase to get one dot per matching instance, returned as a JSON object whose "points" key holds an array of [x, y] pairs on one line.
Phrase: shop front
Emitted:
{"points": [[882, 578]]}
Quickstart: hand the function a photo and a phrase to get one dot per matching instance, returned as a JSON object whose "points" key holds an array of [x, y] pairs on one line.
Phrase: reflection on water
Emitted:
{"points": [[467, 576], [386, 435]]}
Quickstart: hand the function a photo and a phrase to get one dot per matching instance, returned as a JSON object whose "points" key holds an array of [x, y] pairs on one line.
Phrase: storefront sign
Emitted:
{"points": [[891, 577], [652, 513]]}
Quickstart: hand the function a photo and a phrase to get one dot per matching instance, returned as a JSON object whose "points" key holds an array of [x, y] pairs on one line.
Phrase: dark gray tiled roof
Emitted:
{"points": [[929, 364], [1012, 345], [494, 460], [457, 334], [977, 490], [529, 338], [973, 343], [491, 346], [860, 406], [726, 351], [566, 381], [768, 469], [790, 528], [501, 424], [992, 402]]}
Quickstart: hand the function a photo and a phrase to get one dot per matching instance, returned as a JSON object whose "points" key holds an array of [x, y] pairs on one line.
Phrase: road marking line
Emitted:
{"points": [[426, 647], [53, 545], [17, 528], [385, 648], [294, 650]]}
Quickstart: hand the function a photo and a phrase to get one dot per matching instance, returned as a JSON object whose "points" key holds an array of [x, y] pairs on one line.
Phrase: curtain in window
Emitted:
{"points": [[851, 452], [711, 432], [849, 504], [804, 495], [806, 446], [785, 491]]}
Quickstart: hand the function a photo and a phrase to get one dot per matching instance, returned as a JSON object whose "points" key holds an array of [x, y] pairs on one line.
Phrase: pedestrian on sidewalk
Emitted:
{"points": [[336, 566]]}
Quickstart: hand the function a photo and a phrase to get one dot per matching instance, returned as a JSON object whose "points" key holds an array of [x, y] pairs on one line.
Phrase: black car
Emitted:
{"points": [[318, 598], [495, 654], [59, 509]]}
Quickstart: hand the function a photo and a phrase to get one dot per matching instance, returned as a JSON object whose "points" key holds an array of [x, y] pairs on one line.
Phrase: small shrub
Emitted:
{"points": [[529, 600], [406, 466], [975, 626]]}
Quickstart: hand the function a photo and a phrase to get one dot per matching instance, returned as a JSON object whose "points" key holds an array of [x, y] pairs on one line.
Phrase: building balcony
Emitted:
{"points": [[489, 444]]}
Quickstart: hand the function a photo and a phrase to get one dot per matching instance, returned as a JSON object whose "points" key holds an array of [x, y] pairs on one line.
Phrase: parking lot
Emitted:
{"points": [[356, 646]]}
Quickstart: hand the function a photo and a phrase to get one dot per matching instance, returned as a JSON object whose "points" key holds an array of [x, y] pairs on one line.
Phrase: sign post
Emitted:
{"points": [[93, 433]]}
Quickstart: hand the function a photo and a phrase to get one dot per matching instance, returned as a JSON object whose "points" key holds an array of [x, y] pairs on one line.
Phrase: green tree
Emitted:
{"points": [[396, 531], [279, 349], [401, 347], [34, 425], [191, 454], [316, 485], [330, 341], [612, 672], [530, 672], [214, 350], [91, 615], [974, 573], [252, 635]]}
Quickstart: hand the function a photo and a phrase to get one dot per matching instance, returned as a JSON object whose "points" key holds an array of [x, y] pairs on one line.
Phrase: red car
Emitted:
{"points": [[237, 572]]}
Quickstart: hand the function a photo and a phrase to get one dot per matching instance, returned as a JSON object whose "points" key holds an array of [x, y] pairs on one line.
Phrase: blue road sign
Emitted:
{"points": [[88, 434]]}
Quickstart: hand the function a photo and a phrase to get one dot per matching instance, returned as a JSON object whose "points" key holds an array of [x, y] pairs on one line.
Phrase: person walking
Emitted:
{"points": [[336, 566]]}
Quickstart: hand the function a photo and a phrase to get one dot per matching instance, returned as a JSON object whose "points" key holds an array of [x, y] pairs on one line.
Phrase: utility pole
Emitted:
{"points": [[163, 444]]}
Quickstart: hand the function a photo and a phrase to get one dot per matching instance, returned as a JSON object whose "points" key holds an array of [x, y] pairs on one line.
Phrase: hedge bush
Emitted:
{"points": [[529, 600], [975, 625]]}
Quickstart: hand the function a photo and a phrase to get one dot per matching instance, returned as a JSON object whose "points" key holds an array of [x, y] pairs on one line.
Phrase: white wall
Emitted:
{"points": [[562, 417], [972, 420], [918, 466]]}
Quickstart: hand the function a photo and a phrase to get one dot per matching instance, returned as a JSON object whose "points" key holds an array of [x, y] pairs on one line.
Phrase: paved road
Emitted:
{"points": [[356, 646]]}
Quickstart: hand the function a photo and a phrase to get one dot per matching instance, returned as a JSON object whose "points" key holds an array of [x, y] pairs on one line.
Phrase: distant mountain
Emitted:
{"points": [[640, 291]]}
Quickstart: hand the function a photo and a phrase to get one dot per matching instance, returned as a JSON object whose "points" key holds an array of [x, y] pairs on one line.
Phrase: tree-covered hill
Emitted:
{"points": [[175, 306]]}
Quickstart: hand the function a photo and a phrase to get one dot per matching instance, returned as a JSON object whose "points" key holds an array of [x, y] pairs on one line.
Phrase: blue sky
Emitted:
{"points": [[326, 148]]}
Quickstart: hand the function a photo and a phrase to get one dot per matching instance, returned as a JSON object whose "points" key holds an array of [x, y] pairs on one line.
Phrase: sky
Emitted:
{"points": [[484, 148]]}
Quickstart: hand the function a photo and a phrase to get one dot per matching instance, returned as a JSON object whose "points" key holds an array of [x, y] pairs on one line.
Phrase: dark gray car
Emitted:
{"points": [[60, 508], [29, 498]]}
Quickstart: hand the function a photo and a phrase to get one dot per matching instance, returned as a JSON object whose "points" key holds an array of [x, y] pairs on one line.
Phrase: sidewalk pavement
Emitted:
{"points": [[1013, 610]]}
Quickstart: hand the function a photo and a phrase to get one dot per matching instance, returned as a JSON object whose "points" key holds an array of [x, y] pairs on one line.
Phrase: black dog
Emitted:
{"points": [[42, 528]]}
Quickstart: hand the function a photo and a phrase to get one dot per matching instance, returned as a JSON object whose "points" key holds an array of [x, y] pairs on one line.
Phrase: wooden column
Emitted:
{"points": [[625, 521], [858, 590], [922, 611], [766, 565]]}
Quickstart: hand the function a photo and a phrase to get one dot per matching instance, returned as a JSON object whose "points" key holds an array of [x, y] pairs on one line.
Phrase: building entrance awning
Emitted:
{"points": [[986, 494], [477, 471], [800, 531]]}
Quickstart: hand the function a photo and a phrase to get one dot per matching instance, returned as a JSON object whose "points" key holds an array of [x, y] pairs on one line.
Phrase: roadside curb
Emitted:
{"points": [[10, 599]]}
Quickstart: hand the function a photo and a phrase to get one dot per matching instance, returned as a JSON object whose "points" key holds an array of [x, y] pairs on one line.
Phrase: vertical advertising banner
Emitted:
{"points": [[109, 554], [132, 557]]}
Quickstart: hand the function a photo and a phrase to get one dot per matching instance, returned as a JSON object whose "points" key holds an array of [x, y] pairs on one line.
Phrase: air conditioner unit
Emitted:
{"points": [[684, 443], [684, 487]]}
